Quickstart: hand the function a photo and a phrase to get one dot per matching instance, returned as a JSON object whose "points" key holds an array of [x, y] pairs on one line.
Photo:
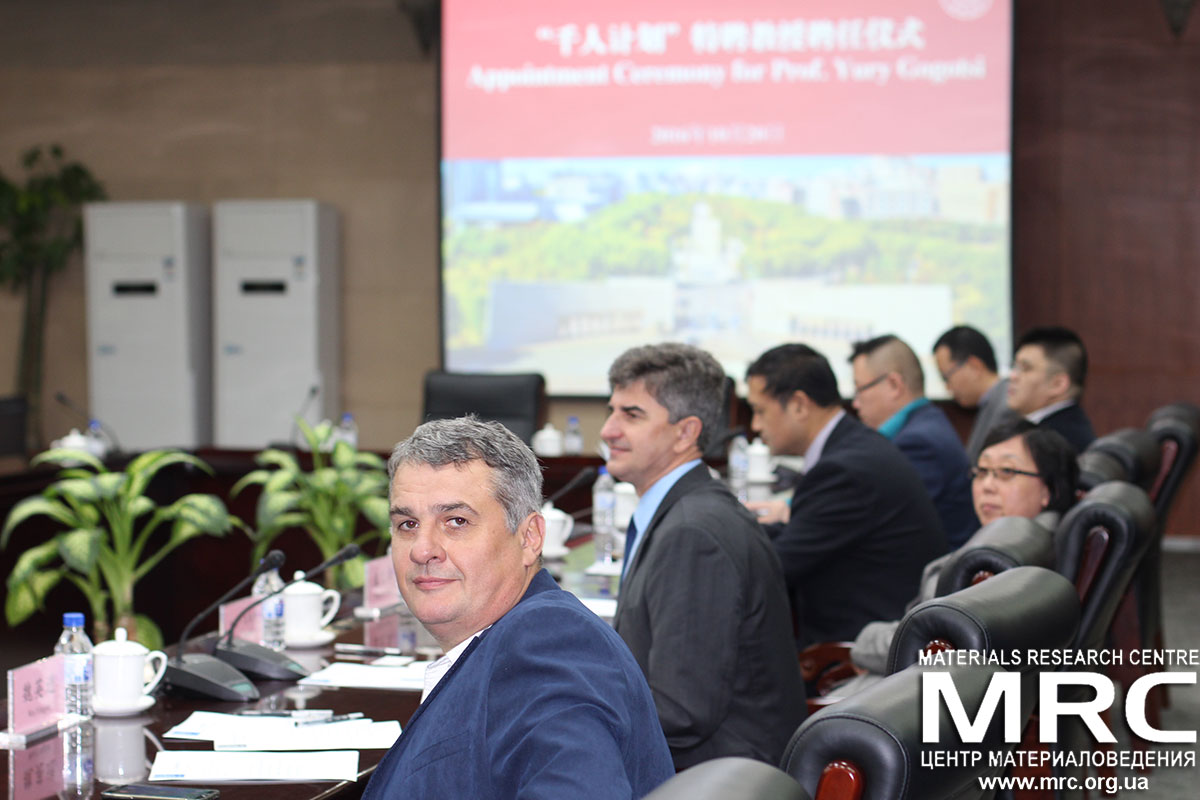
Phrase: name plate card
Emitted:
{"points": [[250, 627], [36, 697], [379, 587]]}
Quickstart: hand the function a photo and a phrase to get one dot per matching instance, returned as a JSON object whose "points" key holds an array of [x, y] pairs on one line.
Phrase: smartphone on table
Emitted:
{"points": [[150, 791]]}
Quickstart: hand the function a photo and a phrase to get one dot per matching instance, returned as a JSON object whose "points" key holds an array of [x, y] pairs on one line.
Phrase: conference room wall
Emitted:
{"points": [[333, 99], [201, 101]]}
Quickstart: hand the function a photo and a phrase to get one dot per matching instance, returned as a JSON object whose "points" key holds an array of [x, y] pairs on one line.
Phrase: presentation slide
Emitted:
{"points": [[732, 175]]}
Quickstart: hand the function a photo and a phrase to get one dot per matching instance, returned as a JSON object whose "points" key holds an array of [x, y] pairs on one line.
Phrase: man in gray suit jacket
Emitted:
{"points": [[702, 603], [967, 364]]}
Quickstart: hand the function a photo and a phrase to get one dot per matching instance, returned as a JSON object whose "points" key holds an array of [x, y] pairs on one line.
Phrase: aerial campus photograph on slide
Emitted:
{"points": [[730, 175]]}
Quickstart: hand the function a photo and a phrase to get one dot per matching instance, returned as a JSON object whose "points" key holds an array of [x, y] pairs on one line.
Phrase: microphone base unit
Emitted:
{"points": [[200, 674], [260, 662]]}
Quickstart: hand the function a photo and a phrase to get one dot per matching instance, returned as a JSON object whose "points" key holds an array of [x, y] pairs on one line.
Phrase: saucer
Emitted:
{"points": [[102, 709], [549, 551], [315, 639]]}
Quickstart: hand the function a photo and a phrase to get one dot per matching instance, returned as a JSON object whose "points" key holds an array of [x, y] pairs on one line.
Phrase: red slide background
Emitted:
{"points": [[762, 116]]}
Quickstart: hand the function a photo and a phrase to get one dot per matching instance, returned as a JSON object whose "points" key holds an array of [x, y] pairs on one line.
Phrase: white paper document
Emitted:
{"points": [[410, 677], [357, 734], [209, 725], [213, 767]]}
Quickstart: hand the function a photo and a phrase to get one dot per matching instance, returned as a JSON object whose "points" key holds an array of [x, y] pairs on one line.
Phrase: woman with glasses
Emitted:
{"points": [[1022, 471]]}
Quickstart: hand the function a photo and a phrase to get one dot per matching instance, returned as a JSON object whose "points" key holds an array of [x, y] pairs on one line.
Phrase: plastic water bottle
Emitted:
{"points": [[272, 609], [604, 504], [739, 466], [347, 430], [76, 649], [573, 437]]}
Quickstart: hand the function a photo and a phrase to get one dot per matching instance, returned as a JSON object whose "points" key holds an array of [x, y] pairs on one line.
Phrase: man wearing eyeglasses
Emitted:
{"points": [[967, 363], [860, 525], [889, 395], [1048, 373]]}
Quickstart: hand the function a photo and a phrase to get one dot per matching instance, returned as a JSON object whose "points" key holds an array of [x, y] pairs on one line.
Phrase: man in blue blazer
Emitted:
{"points": [[535, 696], [889, 395], [860, 526]]}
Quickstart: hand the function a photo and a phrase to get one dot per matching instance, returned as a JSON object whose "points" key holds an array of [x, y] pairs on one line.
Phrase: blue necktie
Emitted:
{"points": [[631, 534]]}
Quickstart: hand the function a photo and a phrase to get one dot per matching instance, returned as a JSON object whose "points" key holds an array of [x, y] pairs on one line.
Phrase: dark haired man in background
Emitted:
{"points": [[967, 363], [1048, 374]]}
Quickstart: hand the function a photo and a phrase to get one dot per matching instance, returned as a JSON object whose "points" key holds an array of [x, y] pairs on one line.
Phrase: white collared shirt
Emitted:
{"points": [[1036, 417], [813, 454], [438, 669]]}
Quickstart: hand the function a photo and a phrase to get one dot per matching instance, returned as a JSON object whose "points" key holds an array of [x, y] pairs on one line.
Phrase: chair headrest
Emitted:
{"points": [[879, 730], [1136, 450], [1097, 467], [1000, 545], [1019, 609], [1123, 513], [1185, 414]]}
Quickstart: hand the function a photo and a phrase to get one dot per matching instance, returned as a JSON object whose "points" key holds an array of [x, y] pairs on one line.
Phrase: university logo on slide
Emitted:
{"points": [[966, 9]]}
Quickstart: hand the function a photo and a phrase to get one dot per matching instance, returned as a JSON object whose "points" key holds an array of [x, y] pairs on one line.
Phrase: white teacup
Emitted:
{"points": [[307, 608], [119, 669], [558, 528], [121, 750]]}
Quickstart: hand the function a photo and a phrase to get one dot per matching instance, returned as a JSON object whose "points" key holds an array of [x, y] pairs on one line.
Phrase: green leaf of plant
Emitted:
{"points": [[37, 506], [143, 468], [371, 461], [324, 480], [79, 549], [108, 485], [148, 632], [272, 506], [28, 597], [205, 511], [278, 458], [31, 561], [343, 455], [78, 489], [139, 506], [280, 480], [67, 458], [377, 512], [258, 476]]}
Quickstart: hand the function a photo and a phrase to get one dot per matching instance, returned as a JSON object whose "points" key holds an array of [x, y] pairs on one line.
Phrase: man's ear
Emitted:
{"points": [[1060, 384], [533, 536], [798, 404], [687, 432]]}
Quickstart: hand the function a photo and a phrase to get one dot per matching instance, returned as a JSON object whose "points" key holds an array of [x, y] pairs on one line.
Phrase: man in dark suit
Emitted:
{"points": [[890, 397], [702, 602], [1046, 384], [967, 363], [535, 696], [860, 526]]}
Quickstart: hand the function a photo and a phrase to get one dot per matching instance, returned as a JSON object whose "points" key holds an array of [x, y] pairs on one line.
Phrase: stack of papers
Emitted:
{"points": [[251, 736], [409, 677]]}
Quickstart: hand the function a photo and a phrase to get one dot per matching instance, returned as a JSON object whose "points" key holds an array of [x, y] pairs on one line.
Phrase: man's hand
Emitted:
{"points": [[768, 511]]}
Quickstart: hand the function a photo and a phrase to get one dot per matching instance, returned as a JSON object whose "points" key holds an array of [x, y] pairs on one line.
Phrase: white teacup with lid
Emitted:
{"points": [[119, 668], [307, 608]]}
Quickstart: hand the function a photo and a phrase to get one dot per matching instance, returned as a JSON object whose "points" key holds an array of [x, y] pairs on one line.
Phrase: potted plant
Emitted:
{"points": [[327, 501], [109, 540], [40, 228]]}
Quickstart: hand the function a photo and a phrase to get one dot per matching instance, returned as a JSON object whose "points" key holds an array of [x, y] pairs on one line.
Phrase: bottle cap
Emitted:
{"points": [[73, 619], [574, 420], [347, 417], [602, 471]]}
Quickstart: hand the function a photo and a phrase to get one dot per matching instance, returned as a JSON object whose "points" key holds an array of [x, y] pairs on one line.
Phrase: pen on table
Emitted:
{"points": [[295, 712], [334, 718], [349, 647]]}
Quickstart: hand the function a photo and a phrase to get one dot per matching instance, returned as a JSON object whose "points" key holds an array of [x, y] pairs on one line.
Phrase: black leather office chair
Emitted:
{"points": [[998, 546], [1137, 452], [13, 413], [1177, 429], [516, 401], [869, 745], [1097, 467], [730, 778]]}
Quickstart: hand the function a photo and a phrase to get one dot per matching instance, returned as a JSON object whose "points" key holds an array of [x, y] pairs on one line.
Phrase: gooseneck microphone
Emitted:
{"points": [[62, 399], [311, 395], [200, 673], [586, 474], [263, 662]]}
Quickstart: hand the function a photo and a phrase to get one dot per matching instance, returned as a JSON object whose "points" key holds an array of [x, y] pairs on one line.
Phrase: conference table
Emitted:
{"points": [[35, 772]]}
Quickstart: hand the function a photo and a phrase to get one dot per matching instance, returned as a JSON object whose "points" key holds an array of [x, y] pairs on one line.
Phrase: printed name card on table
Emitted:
{"points": [[36, 699], [250, 627], [379, 585]]}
